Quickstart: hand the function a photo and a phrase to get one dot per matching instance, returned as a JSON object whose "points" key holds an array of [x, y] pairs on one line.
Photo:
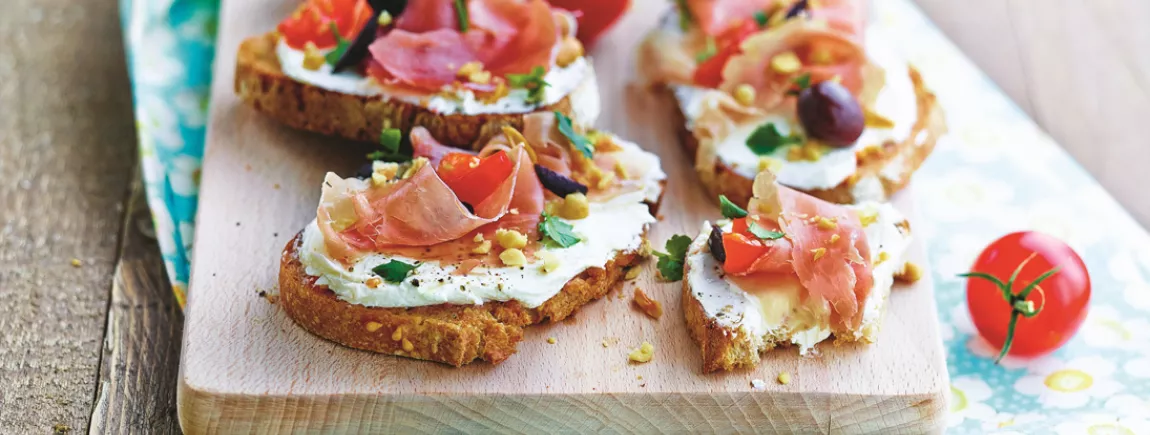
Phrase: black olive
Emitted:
{"points": [[469, 207], [797, 8], [357, 51], [715, 242], [364, 171], [830, 114], [557, 183]]}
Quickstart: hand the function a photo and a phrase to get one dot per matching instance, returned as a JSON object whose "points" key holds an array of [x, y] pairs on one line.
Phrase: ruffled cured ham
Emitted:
{"points": [[823, 244], [427, 48], [716, 16]]}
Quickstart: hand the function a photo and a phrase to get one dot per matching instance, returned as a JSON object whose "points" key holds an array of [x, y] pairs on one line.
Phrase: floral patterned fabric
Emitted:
{"points": [[995, 173]]}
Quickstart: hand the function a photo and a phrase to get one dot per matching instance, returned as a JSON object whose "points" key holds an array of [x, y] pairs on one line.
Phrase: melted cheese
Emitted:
{"points": [[612, 227], [896, 101], [772, 308], [577, 79]]}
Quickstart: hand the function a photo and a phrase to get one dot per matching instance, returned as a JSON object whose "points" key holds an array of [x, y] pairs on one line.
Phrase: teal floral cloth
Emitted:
{"points": [[997, 172]]}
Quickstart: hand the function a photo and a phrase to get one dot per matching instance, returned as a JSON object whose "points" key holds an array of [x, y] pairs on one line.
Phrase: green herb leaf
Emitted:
{"points": [[341, 46], [580, 142], [761, 18], [670, 264], [461, 13], [533, 82], [766, 139], [394, 270], [730, 210], [684, 15], [557, 232], [764, 233], [390, 139], [708, 52], [801, 82]]}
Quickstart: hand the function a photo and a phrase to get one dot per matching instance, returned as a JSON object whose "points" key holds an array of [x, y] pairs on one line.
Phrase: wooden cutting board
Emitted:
{"points": [[247, 368]]}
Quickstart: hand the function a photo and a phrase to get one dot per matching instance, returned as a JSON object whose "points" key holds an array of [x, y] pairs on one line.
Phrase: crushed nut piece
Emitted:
{"points": [[632, 273], [868, 216], [652, 308], [384, 19], [745, 94], [569, 51], [882, 258], [786, 63], [313, 60], [643, 354], [483, 248], [478, 238], [911, 272], [621, 170], [469, 68], [513, 257], [575, 206], [373, 282], [509, 239], [819, 253], [605, 180], [550, 261], [501, 90], [407, 346], [873, 120], [784, 378], [76, 262], [827, 224], [767, 163], [821, 56], [834, 238], [550, 340], [373, 326]]}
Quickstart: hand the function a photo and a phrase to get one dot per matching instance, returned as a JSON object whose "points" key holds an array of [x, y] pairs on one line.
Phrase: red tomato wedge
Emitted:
{"points": [[709, 73], [472, 178], [313, 21], [1041, 320], [595, 16]]}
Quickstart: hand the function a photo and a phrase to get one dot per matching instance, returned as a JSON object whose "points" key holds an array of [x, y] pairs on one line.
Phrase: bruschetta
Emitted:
{"points": [[460, 69], [790, 269], [448, 256], [802, 88]]}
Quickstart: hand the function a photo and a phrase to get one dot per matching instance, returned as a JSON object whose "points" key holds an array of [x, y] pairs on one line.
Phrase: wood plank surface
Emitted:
{"points": [[1080, 68], [67, 150], [136, 388], [247, 367]]}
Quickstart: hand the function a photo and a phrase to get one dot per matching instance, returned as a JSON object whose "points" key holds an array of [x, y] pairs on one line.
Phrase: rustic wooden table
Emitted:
{"points": [[97, 344]]}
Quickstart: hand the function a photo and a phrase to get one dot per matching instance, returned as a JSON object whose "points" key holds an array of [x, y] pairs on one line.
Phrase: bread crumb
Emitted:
{"points": [[758, 385], [76, 262], [784, 378], [643, 354], [650, 307], [550, 340]]}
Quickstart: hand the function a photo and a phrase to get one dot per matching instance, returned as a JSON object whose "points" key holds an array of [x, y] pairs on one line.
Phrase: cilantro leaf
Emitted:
{"points": [[800, 82], [729, 209], [394, 270], [708, 52], [761, 18], [461, 13], [766, 139], [764, 233], [390, 139], [670, 264], [580, 142], [558, 232], [341, 46], [533, 82]]}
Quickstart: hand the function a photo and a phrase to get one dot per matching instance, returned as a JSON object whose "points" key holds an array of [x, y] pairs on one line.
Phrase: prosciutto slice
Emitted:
{"points": [[424, 145], [420, 210], [715, 16], [427, 48], [831, 260]]}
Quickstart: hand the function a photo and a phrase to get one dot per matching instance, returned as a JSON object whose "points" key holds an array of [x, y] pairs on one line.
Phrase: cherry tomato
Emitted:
{"points": [[709, 73], [313, 20], [594, 16], [473, 179], [741, 247], [1059, 301]]}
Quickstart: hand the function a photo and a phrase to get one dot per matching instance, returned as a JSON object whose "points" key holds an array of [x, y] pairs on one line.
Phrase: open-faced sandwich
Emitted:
{"points": [[790, 269], [802, 88], [460, 68], [446, 257]]}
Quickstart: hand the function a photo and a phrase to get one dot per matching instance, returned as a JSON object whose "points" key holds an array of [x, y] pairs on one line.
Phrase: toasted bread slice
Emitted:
{"points": [[892, 164], [262, 83], [450, 334], [727, 337]]}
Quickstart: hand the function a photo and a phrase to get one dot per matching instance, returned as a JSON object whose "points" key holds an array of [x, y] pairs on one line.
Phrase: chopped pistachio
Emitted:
{"points": [[510, 238], [826, 224], [483, 248], [575, 206]]}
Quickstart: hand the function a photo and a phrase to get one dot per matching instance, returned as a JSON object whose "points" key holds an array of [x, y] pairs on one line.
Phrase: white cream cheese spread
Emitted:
{"points": [[577, 79], [612, 227], [774, 307]]}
